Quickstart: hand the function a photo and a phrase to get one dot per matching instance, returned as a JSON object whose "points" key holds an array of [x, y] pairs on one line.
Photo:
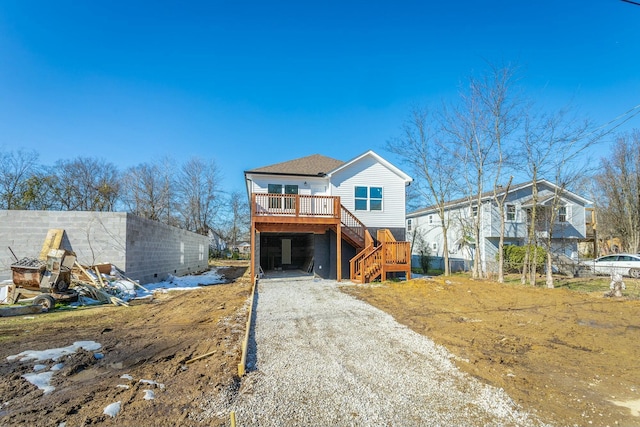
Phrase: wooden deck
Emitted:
{"points": [[281, 213]]}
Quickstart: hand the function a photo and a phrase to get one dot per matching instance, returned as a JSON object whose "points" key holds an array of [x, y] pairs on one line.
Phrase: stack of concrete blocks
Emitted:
{"points": [[146, 250]]}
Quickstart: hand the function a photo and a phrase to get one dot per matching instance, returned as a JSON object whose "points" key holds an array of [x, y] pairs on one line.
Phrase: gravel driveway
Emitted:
{"points": [[324, 358]]}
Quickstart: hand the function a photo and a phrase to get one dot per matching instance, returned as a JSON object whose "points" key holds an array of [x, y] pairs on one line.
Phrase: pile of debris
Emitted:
{"points": [[105, 283], [57, 276]]}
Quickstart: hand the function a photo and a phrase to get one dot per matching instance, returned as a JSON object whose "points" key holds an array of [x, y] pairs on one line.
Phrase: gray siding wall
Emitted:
{"points": [[146, 250], [325, 256]]}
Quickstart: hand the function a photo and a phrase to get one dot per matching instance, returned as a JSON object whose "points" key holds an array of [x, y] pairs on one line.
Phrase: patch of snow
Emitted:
{"points": [[123, 386], [173, 283], [37, 368], [41, 380], [28, 317], [98, 356], [149, 395], [57, 367], [55, 353], [126, 377], [112, 409]]}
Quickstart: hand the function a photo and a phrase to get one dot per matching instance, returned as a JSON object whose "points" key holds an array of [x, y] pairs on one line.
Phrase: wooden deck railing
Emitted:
{"points": [[397, 252], [295, 205]]}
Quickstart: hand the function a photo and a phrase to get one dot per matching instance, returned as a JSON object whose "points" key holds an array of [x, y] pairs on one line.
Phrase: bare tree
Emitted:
{"points": [[480, 126], [38, 193], [432, 165], [234, 222], [619, 184], [87, 184], [16, 169], [551, 144], [500, 202], [199, 194], [147, 191]]}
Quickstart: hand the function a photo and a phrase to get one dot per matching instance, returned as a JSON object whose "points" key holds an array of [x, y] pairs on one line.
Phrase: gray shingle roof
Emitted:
{"points": [[313, 165]]}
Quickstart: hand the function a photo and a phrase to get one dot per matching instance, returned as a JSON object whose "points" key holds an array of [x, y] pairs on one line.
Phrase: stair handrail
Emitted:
{"points": [[359, 263], [384, 235], [355, 264], [351, 222]]}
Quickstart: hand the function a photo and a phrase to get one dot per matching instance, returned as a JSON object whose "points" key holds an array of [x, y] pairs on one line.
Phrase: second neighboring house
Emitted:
{"points": [[424, 227], [333, 218]]}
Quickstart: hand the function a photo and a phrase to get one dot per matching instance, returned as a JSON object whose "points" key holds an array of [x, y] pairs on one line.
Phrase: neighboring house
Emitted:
{"points": [[244, 248], [424, 226], [217, 245], [333, 218]]}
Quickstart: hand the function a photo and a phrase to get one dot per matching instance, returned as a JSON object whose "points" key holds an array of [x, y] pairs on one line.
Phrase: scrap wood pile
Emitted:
{"points": [[104, 283]]}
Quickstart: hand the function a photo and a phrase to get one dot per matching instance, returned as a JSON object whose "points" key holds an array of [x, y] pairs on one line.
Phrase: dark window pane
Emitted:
{"points": [[275, 188], [376, 205], [290, 189], [361, 204], [361, 192], [375, 192]]}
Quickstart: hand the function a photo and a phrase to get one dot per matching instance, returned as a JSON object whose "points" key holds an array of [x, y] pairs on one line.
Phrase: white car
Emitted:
{"points": [[624, 264]]}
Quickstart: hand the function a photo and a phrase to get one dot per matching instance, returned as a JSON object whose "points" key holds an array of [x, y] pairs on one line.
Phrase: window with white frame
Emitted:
{"points": [[434, 247], [474, 211], [562, 214], [430, 219], [408, 225], [368, 198], [511, 212]]}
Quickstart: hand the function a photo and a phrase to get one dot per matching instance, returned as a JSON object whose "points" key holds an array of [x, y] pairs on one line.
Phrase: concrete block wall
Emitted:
{"points": [[155, 250], [147, 250]]}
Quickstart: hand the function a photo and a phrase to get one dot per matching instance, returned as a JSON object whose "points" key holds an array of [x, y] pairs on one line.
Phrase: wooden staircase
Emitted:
{"points": [[375, 261]]}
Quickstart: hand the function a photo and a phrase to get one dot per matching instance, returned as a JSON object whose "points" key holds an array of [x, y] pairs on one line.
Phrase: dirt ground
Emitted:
{"points": [[570, 357], [149, 342]]}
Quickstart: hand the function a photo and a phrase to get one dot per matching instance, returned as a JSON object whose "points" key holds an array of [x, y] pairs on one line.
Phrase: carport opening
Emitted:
{"points": [[286, 251]]}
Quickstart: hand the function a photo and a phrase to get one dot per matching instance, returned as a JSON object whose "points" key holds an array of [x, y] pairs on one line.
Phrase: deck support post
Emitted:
{"points": [[339, 251], [253, 253]]}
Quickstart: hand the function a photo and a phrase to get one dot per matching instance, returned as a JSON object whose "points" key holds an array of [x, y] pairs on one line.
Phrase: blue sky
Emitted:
{"points": [[254, 83]]}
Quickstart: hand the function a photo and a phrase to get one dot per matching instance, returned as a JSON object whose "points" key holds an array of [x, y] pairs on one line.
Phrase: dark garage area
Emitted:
{"points": [[286, 251]]}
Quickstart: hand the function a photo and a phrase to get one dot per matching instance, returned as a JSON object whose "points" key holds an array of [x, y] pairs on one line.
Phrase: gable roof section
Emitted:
{"points": [[489, 195], [314, 165], [407, 179]]}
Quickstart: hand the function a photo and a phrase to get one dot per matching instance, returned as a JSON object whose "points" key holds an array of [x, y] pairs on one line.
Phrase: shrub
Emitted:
{"points": [[514, 258]]}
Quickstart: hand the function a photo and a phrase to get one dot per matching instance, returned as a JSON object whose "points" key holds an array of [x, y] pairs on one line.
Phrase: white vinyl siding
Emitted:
{"points": [[369, 173], [306, 186]]}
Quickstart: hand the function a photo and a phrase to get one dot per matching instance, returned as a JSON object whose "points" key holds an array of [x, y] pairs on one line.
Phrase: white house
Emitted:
{"points": [[568, 229], [314, 213]]}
